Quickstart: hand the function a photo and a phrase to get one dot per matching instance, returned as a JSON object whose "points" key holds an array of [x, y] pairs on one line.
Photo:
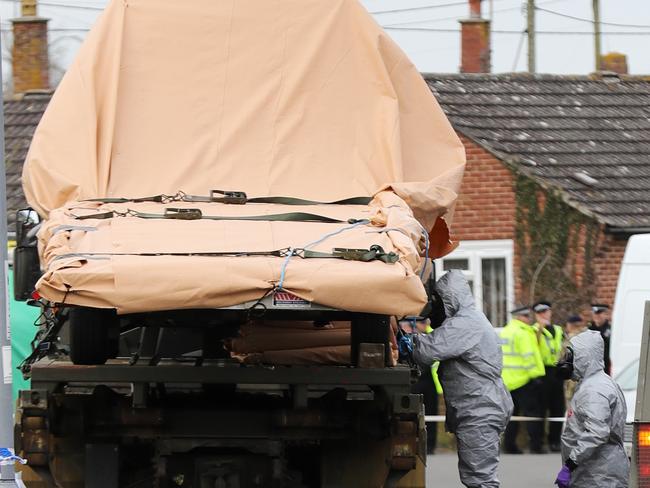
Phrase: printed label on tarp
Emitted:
{"points": [[289, 300]]}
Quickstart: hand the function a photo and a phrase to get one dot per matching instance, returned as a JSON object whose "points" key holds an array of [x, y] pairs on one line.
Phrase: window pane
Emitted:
{"points": [[494, 290], [448, 264]]}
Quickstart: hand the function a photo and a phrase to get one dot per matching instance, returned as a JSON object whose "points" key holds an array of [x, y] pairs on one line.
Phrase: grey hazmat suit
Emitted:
{"points": [[593, 434], [478, 403]]}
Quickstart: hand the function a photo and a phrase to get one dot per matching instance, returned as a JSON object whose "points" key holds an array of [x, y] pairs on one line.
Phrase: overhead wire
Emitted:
{"points": [[590, 21], [519, 49], [458, 17], [423, 7], [63, 5], [55, 29], [456, 31]]}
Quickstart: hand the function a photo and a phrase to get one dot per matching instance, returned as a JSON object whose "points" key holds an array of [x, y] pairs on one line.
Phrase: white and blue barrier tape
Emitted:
{"points": [[515, 418], [7, 456]]}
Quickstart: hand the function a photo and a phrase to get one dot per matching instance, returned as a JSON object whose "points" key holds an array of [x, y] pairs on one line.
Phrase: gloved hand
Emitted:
{"points": [[563, 477], [405, 346]]}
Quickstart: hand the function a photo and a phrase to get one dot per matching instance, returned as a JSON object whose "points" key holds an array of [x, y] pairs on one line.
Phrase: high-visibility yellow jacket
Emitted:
{"points": [[550, 344], [522, 358], [434, 369]]}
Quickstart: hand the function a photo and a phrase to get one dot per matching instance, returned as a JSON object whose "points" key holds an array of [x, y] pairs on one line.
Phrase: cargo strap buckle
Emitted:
{"points": [[374, 253], [229, 197], [183, 213]]}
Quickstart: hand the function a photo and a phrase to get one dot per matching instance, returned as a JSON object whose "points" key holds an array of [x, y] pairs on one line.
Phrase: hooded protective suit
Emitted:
{"points": [[478, 404], [593, 435]]}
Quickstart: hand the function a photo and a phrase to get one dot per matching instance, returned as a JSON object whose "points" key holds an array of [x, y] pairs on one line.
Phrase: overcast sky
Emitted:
{"points": [[434, 43]]}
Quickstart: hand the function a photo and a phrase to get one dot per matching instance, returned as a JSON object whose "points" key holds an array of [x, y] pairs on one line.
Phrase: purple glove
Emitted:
{"points": [[563, 477]]}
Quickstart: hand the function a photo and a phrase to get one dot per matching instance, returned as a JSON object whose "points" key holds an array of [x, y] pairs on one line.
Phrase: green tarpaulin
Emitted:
{"points": [[21, 318]]}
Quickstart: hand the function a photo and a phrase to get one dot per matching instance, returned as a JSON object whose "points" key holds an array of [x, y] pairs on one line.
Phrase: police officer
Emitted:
{"points": [[522, 369], [550, 338], [600, 323], [428, 384]]}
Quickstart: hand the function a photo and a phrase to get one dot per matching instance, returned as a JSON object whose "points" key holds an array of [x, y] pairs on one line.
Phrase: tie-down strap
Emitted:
{"points": [[196, 214], [374, 253], [230, 197]]}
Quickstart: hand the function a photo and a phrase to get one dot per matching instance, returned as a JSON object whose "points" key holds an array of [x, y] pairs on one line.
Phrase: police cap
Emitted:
{"points": [[599, 307], [542, 306], [520, 310]]}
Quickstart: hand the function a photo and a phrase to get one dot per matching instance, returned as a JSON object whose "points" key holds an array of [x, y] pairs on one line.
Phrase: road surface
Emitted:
{"points": [[526, 470]]}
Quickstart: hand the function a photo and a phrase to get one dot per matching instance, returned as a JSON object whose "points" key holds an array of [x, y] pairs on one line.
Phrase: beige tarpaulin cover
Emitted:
{"points": [[297, 343], [302, 98], [293, 343]]}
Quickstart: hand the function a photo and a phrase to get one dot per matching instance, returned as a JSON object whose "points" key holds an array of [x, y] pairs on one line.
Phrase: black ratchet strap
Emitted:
{"points": [[155, 199], [374, 253], [239, 197], [196, 214], [231, 198]]}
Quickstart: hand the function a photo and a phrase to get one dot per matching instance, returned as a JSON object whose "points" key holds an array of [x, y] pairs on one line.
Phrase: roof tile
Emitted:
{"points": [[559, 129], [21, 116]]}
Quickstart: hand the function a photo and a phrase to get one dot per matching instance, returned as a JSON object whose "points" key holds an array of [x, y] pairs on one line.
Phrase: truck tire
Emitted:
{"points": [[370, 328], [92, 332]]}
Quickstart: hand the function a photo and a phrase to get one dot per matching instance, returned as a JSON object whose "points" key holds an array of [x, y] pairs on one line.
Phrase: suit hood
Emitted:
{"points": [[588, 354], [455, 292]]}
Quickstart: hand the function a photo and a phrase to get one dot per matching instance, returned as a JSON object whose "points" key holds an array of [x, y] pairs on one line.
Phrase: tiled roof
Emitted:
{"points": [[587, 136], [22, 115]]}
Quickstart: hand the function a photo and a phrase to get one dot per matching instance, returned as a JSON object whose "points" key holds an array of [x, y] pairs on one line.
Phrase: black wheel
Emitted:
{"points": [[92, 335], [370, 328]]}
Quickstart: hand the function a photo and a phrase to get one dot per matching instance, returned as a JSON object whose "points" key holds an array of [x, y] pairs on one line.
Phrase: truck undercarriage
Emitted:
{"points": [[158, 416]]}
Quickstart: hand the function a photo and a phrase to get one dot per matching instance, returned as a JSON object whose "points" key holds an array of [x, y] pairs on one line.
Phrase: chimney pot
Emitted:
{"points": [[475, 9], [30, 63], [475, 41], [28, 8], [614, 62]]}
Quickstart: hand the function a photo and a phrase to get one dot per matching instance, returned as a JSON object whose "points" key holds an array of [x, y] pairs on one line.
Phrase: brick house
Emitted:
{"points": [[557, 177]]}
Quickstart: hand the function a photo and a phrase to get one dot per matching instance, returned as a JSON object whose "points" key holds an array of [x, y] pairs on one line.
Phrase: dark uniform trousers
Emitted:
{"points": [[554, 403], [527, 402]]}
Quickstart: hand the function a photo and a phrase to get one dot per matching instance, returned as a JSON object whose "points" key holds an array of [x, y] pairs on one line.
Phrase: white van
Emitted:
{"points": [[632, 291]]}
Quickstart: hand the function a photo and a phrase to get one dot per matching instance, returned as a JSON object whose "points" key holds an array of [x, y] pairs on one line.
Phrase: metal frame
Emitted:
{"points": [[7, 475], [173, 428], [219, 372], [642, 406]]}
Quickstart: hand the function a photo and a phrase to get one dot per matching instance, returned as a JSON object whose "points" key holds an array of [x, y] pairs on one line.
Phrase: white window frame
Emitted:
{"points": [[475, 252]]}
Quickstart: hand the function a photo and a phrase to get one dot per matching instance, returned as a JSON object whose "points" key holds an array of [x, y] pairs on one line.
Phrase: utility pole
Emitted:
{"points": [[7, 474], [597, 49], [530, 11]]}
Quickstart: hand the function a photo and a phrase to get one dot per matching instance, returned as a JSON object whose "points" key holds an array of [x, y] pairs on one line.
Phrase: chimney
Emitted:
{"points": [[614, 62], [30, 63], [475, 41]]}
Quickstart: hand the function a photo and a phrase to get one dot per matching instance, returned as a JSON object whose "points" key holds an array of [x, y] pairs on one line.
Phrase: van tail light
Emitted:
{"points": [[642, 439]]}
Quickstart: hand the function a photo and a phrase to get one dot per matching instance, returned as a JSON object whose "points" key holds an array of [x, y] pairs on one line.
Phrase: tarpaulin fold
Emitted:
{"points": [[294, 98]]}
